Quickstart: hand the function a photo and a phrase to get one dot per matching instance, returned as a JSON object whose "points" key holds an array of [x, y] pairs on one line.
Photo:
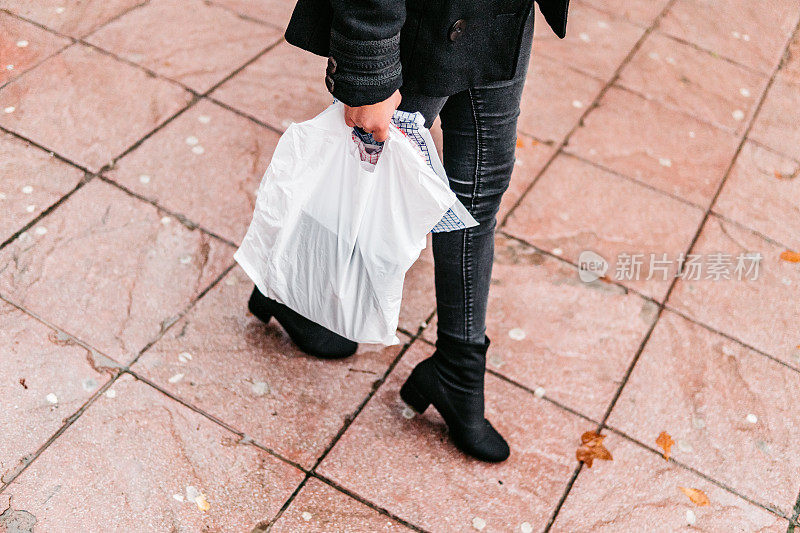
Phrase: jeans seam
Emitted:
{"points": [[466, 259]]}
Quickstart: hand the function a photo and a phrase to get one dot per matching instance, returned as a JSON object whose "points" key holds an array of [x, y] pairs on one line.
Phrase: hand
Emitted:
{"points": [[373, 118]]}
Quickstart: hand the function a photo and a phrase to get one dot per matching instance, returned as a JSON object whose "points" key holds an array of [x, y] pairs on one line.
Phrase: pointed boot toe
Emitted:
{"points": [[310, 337]]}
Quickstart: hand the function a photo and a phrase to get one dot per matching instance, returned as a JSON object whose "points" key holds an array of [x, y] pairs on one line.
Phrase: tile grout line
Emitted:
{"points": [[774, 510], [589, 108], [625, 436], [595, 103], [742, 141], [652, 300], [119, 370], [350, 419]]}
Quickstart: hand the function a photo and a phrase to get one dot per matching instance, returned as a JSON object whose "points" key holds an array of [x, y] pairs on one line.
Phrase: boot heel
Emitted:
{"points": [[411, 396]]}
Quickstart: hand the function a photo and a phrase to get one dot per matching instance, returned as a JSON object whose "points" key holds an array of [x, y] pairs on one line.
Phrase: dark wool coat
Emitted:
{"points": [[434, 47]]}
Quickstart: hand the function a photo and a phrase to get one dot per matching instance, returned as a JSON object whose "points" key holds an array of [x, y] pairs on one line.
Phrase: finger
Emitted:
{"points": [[381, 134]]}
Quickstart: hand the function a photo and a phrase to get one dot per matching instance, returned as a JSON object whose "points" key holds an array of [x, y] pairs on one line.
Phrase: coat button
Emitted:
{"points": [[329, 82], [457, 29], [331, 65]]}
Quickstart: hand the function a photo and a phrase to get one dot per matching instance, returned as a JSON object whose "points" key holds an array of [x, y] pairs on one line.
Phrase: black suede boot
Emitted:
{"points": [[452, 380], [310, 337]]}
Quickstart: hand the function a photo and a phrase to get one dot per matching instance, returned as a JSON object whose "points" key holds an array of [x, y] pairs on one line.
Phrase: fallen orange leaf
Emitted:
{"points": [[697, 496], [592, 448], [519, 143], [665, 441], [792, 257], [778, 174], [202, 503]]}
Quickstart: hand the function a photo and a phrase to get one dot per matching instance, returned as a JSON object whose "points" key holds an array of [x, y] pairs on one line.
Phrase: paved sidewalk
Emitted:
{"points": [[138, 394]]}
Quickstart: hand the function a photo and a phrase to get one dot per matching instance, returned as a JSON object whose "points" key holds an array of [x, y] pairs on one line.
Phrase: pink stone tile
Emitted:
{"points": [[576, 207], [320, 507], [532, 156], [641, 12], [595, 43], [189, 41], [571, 340], [695, 82], [666, 149], [776, 124], [790, 70], [554, 99], [409, 467], [419, 292], [106, 268], [38, 362], [127, 462], [763, 312], [87, 106], [72, 17], [234, 153], [23, 166], [284, 85], [639, 491], [731, 410], [275, 12], [762, 192], [753, 34], [252, 377], [23, 45]]}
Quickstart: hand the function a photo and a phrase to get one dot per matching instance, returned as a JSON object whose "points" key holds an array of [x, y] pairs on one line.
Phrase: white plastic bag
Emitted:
{"points": [[333, 236]]}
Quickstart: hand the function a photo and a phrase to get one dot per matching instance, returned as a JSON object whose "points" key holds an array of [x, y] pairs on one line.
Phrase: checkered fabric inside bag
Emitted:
{"points": [[369, 150]]}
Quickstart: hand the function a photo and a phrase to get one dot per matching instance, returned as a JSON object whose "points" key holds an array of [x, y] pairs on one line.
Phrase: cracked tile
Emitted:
{"points": [[252, 377], [763, 312], [320, 507], [171, 463], [30, 182], [639, 489], [731, 410], [665, 149], [762, 192], [189, 41], [224, 178], [104, 268], [284, 85], [776, 124], [38, 365], [87, 106], [403, 455], [574, 208]]}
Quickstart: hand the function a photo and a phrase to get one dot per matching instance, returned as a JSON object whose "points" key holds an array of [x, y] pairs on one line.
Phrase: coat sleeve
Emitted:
{"points": [[364, 63]]}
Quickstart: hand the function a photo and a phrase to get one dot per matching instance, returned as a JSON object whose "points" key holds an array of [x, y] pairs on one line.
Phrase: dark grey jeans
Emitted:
{"points": [[479, 128]]}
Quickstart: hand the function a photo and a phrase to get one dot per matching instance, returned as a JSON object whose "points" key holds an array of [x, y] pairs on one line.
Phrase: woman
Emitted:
{"points": [[464, 60]]}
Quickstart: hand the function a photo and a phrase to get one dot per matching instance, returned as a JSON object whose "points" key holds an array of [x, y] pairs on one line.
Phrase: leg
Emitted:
{"points": [[479, 127], [479, 131]]}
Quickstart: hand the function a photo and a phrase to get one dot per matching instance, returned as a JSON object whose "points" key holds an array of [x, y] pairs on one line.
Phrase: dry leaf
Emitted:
{"points": [[665, 441], [697, 496], [519, 143], [592, 448], [202, 503], [792, 257], [778, 174]]}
